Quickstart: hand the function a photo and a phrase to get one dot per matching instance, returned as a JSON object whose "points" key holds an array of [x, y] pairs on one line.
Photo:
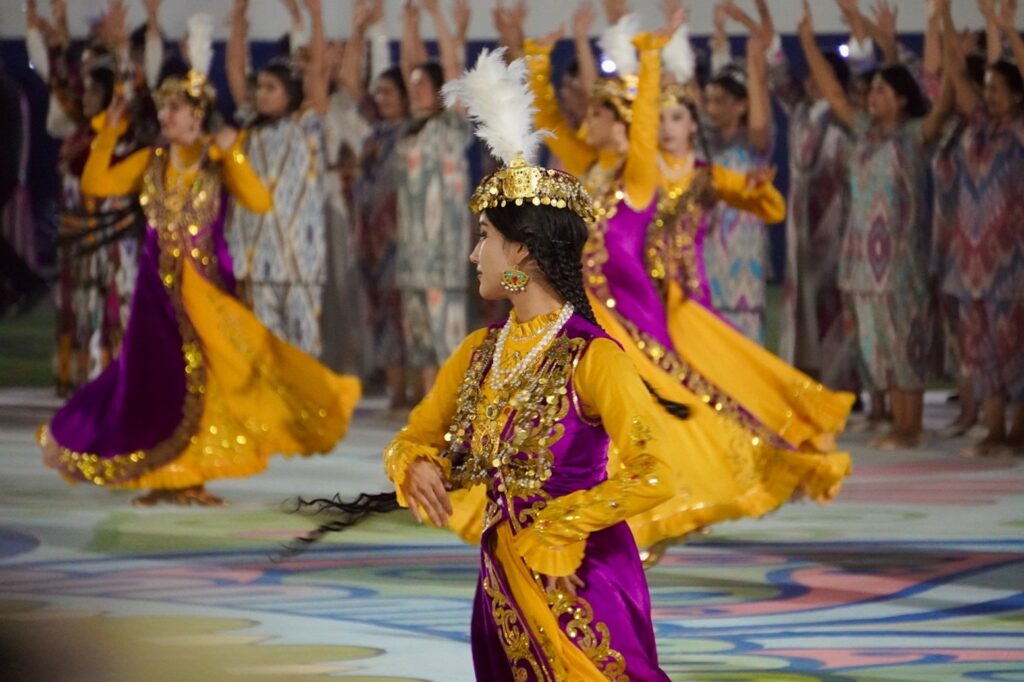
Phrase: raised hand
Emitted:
{"points": [[566, 584], [885, 18], [461, 14], [670, 7], [1006, 17], [548, 41], [583, 19], [116, 111], [673, 22], [431, 6], [615, 10], [805, 27], [292, 7]]}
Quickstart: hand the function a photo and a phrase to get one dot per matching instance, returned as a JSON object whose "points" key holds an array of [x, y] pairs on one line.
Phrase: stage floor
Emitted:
{"points": [[915, 572]]}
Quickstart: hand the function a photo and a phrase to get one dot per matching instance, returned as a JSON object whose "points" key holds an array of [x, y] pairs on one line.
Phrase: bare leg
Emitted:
{"points": [[995, 441], [968, 416], [396, 387]]}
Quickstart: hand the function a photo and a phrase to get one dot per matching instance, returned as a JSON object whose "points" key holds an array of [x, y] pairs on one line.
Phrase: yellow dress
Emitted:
{"points": [[759, 431], [247, 394]]}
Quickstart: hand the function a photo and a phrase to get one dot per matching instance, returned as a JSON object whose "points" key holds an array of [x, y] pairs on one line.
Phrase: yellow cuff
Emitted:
{"points": [[533, 49], [545, 559], [648, 41], [401, 455]]}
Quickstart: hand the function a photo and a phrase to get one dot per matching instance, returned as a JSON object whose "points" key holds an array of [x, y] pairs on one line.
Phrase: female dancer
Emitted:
{"points": [[201, 390], [525, 411], [747, 448]]}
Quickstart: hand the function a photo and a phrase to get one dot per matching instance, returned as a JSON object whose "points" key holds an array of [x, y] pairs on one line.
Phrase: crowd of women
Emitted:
{"points": [[904, 245]]}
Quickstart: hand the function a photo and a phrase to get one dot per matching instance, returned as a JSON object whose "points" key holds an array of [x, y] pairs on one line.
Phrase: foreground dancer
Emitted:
{"points": [[201, 390], [524, 412], [760, 432]]}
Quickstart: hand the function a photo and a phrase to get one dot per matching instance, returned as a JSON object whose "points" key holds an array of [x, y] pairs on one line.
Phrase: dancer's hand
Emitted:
{"points": [[548, 41], [760, 176], [425, 491], [568, 584], [225, 137], [116, 111]]}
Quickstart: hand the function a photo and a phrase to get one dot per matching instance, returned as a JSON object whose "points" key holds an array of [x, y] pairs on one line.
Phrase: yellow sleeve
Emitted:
{"points": [[100, 179], [575, 154], [609, 387], [428, 423], [641, 174], [763, 201], [240, 178]]}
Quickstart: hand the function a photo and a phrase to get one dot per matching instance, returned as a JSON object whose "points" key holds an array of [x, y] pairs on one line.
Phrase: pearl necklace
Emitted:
{"points": [[499, 378]]}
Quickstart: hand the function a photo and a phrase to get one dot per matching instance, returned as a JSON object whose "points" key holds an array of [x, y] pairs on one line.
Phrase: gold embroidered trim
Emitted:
{"points": [[669, 250], [104, 470], [593, 639], [513, 634]]}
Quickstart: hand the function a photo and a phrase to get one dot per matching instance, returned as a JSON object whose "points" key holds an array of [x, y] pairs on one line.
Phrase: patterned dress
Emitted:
{"points": [[375, 196], [736, 248], [947, 168], [98, 244], [813, 336], [434, 237], [986, 257], [280, 257], [885, 253]]}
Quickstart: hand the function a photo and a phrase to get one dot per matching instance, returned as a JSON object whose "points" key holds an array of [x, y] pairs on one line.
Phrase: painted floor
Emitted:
{"points": [[915, 572]]}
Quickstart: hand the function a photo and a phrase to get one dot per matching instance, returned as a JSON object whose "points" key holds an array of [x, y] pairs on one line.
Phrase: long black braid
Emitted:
{"points": [[555, 239]]}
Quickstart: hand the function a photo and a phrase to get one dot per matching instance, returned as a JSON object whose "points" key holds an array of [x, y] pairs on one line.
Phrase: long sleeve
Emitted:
{"points": [[241, 180], [100, 178], [609, 386], [641, 173], [763, 201], [575, 154], [423, 436]]}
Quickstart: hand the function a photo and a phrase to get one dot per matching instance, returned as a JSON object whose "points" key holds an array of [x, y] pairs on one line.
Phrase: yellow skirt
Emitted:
{"points": [[261, 395], [727, 465]]}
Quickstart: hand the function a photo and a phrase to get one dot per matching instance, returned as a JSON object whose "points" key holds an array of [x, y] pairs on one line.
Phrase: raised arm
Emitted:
{"points": [[101, 177], [994, 38], [236, 54], [508, 22], [317, 81], [153, 56], [721, 54], [932, 64], [461, 16], [451, 62], [822, 73], [965, 94], [365, 13], [1007, 21], [760, 119], [413, 51], [575, 154], [641, 174], [582, 20]]}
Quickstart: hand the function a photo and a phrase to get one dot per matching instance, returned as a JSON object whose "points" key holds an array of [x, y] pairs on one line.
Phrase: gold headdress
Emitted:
{"points": [[194, 86], [679, 62], [500, 102]]}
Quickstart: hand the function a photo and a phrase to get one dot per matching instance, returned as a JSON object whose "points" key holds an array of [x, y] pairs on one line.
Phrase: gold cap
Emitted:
{"points": [[679, 94], [520, 183], [194, 86], [619, 92]]}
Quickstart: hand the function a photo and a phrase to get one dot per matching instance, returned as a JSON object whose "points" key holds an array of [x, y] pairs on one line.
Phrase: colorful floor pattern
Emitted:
{"points": [[915, 573]]}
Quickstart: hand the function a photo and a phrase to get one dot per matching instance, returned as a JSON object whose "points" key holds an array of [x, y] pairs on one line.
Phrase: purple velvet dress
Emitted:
{"points": [[148, 401], [542, 460]]}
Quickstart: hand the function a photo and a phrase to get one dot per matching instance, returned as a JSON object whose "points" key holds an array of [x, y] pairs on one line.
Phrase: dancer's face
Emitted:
{"points": [[1000, 101], [390, 103], [604, 129], [884, 105], [725, 110], [271, 96], [677, 130], [492, 256], [423, 96], [180, 123]]}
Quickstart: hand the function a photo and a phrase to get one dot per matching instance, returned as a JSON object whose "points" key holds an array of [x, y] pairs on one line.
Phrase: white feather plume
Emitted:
{"points": [[616, 43], [498, 99], [677, 56], [200, 42]]}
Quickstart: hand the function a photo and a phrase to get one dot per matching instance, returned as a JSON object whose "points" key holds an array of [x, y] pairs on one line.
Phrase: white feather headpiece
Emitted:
{"points": [[499, 101], [677, 56], [616, 43], [200, 43]]}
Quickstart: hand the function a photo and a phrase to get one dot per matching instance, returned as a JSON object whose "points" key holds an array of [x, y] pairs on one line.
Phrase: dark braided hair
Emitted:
{"points": [[555, 238]]}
